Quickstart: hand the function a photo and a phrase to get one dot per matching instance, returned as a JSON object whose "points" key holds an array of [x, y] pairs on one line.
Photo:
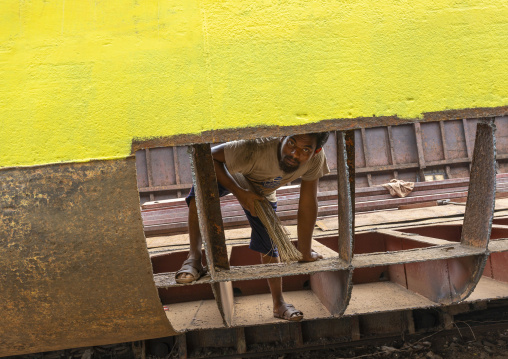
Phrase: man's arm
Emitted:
{"points": [[307, 214], [245, 197]]}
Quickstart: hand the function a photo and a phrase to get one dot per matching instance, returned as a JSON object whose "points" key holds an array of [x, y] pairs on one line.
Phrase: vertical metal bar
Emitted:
{"points": [[365, 155], [466, 139], [296, 333], [355, 327], [211, 225], [241, 344], [409, 321], [482, 188], [334, 288], [345, 199], [208, 205], [351, 156], [149, 171], [392, 151], [177, 170], [181, 342], [419, 148], [445, 148]]}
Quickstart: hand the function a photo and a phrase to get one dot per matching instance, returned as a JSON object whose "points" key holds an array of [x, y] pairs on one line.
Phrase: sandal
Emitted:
{"points": [[288, 312], [192, 267]]}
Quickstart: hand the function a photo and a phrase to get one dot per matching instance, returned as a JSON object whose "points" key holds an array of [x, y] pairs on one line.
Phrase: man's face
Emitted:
{"points": [[295, 151]]}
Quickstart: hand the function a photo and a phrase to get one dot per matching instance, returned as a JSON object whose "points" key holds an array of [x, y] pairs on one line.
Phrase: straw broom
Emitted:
{"points": [[276, 230]]}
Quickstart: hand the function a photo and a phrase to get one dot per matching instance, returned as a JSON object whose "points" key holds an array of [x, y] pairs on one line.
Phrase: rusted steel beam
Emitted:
{"points": [[224, 135], [345, 204], [414, 255], [211, 225], [249, 272], [351, 156], [482, 187], [208, 205]]}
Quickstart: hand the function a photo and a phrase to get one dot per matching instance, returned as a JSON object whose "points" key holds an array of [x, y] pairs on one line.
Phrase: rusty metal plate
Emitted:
{"points": [[482, 188], [74, 267]]}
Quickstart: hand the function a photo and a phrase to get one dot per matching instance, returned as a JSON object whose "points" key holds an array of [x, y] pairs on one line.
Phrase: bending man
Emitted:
{"points": [[267, 164]]}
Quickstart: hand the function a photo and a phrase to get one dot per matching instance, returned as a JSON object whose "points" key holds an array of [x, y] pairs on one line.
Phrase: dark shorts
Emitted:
{"points": [[259, 239]]}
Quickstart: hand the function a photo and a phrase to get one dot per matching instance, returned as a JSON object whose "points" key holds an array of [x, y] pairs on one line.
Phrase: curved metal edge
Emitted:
{"points": [[74, 266], [333, 289], [464, 273], [462, 292]]}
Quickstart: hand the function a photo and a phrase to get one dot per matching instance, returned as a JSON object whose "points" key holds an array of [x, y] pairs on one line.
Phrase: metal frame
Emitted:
{"points": [[440, 271]]}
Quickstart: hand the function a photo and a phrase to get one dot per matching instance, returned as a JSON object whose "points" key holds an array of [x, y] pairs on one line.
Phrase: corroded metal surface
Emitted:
{"points": [[333, 289], [211, 226], [482, 188], [208, 206], [74, 267], [351, 166], [345, 204], [224, 135]]}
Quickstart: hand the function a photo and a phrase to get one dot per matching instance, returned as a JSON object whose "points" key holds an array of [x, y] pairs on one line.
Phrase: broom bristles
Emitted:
{"points": [[276, 230]]}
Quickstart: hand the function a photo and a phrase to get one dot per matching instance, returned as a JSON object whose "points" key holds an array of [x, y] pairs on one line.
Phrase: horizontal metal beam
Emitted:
{"points": [[224, 135], [237, 273]]}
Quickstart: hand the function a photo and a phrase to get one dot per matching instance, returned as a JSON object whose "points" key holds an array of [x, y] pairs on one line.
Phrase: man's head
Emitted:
{"points": [[298, 149]]}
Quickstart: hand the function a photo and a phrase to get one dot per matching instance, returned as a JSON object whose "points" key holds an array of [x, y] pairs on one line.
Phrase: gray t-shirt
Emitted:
{"points": [[258, 161]]}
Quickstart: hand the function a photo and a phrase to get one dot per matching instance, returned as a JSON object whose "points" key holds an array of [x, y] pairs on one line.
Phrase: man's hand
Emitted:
{"points": [[247, 199], [312, 257]]}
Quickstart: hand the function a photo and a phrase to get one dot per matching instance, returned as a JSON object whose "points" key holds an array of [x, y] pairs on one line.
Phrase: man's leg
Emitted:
{"points": [[261, 242], [281, 309], [194, 257], [275, 284], [194, 237]]}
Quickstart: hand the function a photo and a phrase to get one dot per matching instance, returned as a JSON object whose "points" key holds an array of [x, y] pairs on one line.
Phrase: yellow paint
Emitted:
{"points": [[79, 79]]}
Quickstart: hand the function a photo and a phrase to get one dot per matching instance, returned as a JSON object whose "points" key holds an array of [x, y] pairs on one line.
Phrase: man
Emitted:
{"points": [[267, 164]]}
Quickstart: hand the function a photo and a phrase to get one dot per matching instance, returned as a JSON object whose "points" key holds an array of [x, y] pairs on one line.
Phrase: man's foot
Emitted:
{"points": [[191, 270], [288, 312]]}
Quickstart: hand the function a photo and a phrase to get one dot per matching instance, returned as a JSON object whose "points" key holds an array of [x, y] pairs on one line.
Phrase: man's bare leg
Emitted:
{"points": [[275, 285], [194, 236]]}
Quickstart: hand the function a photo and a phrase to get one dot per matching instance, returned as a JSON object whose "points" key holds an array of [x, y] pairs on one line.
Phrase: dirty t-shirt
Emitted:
{"points": [[258, 161]]}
